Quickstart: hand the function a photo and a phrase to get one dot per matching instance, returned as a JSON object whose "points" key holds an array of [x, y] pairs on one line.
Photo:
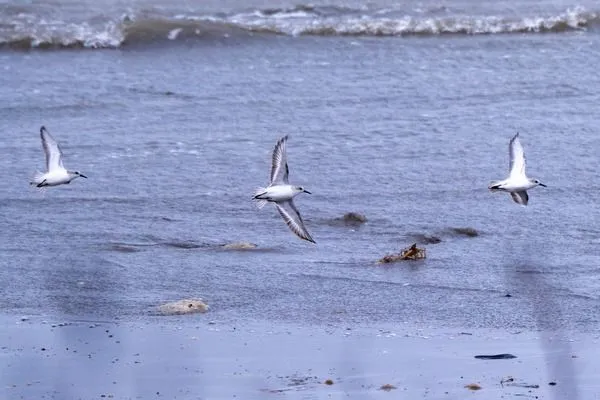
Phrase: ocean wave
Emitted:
{"points": [[388, 23], [25, 31]]}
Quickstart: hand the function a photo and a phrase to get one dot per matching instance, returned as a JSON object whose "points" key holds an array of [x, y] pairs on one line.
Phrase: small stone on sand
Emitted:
{"points": [[387, 387], [473, 386]]}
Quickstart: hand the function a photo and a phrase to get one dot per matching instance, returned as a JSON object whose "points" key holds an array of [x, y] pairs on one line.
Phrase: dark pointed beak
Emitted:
{"points": [[83, 176], [306, 191], [541, 184]]}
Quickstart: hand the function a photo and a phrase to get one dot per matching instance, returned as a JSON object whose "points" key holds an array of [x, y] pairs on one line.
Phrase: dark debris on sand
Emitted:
{"points": [[510, 381], [503, 356], [387, 387]]}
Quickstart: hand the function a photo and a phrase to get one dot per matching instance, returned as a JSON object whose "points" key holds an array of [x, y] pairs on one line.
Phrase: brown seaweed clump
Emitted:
{"points": [[411, 253], [387, 387]]}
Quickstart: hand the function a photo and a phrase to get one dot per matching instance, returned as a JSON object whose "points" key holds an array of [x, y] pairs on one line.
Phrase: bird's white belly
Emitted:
{"points": [[280, 193], [517, 185], [56, 178]]}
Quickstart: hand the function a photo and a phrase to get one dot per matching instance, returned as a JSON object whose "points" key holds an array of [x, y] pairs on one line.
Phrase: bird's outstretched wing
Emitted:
{"points": [[279, 167], [517, 157], [292, 218], [520, 197], [52, 150]]}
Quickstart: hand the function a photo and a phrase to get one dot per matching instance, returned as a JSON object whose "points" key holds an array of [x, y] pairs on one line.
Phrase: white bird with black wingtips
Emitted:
{"points": [[55, 174], [517, 182], [281, 193]]}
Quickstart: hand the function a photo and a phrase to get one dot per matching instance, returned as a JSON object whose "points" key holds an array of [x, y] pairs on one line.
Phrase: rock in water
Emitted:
{"points": [[470, 232], [426, 239], [239, 246], [186, 306], [350, 219], [354, 218]]}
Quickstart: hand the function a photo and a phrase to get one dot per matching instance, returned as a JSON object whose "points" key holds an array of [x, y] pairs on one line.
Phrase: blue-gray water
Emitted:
{"points": [[406, 126]]}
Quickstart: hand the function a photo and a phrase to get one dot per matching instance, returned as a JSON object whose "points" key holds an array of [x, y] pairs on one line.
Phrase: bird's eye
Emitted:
{"points": [[300, 188]]}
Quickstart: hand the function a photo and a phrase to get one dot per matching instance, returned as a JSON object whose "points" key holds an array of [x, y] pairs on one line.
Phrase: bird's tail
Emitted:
{"points": [[260, 202], [495, 185], [37, 178]]}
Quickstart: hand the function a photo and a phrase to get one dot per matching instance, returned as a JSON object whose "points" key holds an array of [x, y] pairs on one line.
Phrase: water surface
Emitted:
{"points": [[402, 113]]}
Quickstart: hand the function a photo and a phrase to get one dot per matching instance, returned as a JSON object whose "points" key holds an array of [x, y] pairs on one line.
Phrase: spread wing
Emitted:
{"points": [[52, 150], [520, 197], [292, 218], [517, 157], [279, 167]]}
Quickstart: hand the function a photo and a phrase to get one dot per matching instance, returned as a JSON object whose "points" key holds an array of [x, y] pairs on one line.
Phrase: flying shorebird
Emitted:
{"points": [[517, 182], [56, 174], [281, 193]]}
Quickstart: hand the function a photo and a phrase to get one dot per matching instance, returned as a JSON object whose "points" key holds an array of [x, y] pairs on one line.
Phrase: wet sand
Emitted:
{"points": [[196, 358]]}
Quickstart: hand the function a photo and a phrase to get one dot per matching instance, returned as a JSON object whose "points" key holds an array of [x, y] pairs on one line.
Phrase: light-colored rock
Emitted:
{"points": [[186, 306], [239, 246]]}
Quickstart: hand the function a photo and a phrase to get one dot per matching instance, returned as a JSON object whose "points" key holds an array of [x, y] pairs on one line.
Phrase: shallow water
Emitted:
{"points": [[409, 130]]}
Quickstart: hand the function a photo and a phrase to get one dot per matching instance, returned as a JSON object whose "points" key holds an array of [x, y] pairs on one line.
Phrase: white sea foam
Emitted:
{"points": [[25, 30]]}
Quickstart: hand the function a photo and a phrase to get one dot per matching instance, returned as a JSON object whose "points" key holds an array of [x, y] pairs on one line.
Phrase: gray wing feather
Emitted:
{"points": [[279, 167], [520, 197], [52, 150], [517, 156], [292, 218]]}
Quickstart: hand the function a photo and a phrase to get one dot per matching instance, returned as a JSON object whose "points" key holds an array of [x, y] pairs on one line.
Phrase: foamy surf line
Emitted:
{"points": [[298, 21]]}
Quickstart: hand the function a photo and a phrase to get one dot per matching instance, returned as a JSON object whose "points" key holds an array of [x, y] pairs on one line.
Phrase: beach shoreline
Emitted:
{"points": [[197, 358]]}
